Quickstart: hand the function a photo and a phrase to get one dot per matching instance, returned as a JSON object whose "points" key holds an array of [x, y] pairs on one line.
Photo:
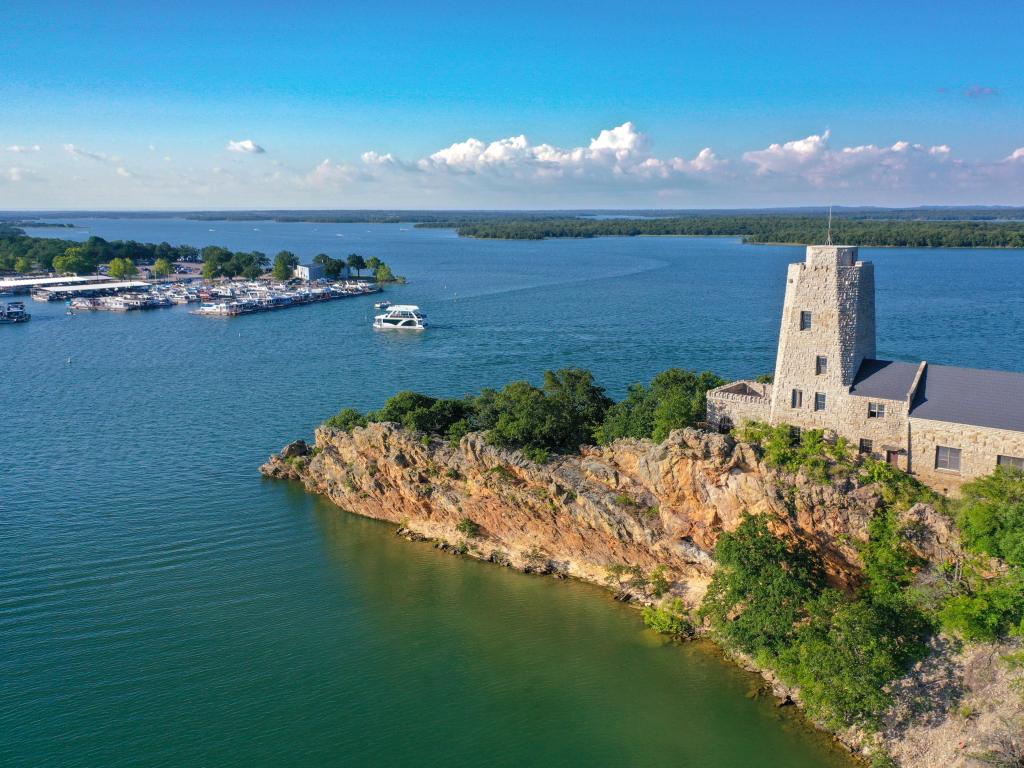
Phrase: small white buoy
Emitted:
{"points": [[69, 361]]}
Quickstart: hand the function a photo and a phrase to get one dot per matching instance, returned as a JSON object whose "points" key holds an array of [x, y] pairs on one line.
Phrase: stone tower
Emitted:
{"points": [[828, 328]]}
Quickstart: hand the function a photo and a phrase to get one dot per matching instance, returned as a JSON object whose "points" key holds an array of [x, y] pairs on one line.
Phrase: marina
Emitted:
{"points": [[251, 297]]}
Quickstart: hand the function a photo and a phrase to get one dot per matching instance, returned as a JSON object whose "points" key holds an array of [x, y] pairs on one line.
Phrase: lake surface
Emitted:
{"points": [[161, 604]]}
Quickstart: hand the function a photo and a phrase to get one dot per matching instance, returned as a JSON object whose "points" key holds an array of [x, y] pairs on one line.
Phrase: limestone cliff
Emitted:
{"points": [[644, 505], [635, 503]]}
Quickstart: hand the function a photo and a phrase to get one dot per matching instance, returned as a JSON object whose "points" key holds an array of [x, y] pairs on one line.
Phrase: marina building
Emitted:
{"points": [[309, 271], [943, 424]]}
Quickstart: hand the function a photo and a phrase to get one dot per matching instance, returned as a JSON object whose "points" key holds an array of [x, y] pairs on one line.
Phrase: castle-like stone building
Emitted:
{"points": [[945, 425]]}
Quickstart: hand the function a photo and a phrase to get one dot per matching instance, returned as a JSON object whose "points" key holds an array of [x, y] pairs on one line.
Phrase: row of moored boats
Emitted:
{"points": [[247, 298]]}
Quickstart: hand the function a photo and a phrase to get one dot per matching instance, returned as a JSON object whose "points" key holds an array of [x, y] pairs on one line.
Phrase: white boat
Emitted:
{"points": [[382, 304], [401, 317], [14, 313]]}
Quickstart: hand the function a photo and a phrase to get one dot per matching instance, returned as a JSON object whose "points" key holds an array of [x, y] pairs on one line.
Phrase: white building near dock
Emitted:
{"points": [[309, 271]]}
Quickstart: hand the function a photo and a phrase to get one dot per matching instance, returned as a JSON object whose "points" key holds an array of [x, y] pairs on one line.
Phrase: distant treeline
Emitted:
{"points": [[764, 229], [454, 218]]}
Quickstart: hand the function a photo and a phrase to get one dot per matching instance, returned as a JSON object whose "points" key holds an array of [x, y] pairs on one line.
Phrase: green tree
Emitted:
{"points": [[74, 261], [161, 268], [332, 267], [383, 274], [122, 269], [284, 265], [760, 589], [373, 263], [845, 654], [23, 264], [675, 399], [991, 515], [578, 402], [356, 262]]}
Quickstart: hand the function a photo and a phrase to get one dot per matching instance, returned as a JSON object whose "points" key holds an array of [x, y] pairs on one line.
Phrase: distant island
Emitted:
{"points": [[923, 227]]}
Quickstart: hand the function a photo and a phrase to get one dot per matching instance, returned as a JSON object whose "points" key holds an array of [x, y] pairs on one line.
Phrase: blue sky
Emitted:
{"points": [[129, 105]]}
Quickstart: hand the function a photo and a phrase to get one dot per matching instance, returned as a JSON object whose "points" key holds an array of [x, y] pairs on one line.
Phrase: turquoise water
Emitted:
{"points": [[161, 604]]}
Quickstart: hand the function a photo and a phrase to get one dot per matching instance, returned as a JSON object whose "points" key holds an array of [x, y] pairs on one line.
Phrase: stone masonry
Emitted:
{"points": [[827, 378]]}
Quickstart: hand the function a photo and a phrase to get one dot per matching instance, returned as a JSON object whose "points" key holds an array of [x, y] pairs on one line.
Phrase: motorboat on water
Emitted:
{"points": [[14, 313], [382, 304], [405, 317]]}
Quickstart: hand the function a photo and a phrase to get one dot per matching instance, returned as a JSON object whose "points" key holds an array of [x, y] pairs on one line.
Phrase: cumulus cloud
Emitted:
{"points": [[124, 172], [245, 146], [1016, 155], [813, 161], [23, 148], [622, 153]]}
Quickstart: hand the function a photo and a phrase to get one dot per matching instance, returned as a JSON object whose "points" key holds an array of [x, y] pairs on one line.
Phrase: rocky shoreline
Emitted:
{"points": [[645, 506]]}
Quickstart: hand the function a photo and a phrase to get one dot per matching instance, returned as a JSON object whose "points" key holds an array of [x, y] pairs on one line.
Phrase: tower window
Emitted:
{"points": [[866, 446], [805, 320], [947, 458], [820, 365], [876, 410], [1010, 461], [819, 401], [796, 400]]}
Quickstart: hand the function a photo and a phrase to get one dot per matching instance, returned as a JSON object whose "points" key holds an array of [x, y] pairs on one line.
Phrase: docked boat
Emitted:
{"points": [[14, 313], [406, 317]]}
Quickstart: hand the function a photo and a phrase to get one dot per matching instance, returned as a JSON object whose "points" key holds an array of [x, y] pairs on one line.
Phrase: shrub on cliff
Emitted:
{"points": [[760, 589], [675, 399], [846, 652], [811, 453], [767, 598], [991, 515], [346, 420]]}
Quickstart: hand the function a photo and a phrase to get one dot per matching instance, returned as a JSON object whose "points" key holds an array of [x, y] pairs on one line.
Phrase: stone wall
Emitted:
{"points": [[979, 448], [732, 405]]}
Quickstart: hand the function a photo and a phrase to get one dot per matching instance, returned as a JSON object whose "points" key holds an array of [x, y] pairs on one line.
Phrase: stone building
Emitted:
{"points": [[943, 424]]}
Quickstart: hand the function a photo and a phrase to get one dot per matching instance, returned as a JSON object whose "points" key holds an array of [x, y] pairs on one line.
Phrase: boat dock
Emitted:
{"points": [[93, 288], [249, 298], [27, 284]]}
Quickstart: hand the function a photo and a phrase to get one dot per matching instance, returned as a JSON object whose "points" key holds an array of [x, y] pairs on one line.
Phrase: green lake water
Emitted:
{"points": [[161, 604]]}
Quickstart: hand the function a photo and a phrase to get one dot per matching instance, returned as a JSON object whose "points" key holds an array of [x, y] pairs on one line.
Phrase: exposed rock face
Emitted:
{"points": [[634, 503], [645, 505]]}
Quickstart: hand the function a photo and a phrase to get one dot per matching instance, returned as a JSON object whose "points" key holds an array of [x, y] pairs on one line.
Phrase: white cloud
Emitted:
{"points": [[621, 153], [615, 167], [78, 152], [23, 148], [246, 146]]}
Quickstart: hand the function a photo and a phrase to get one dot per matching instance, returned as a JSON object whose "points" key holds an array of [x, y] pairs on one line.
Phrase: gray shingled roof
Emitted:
{"points": [[884, 379], [971, 396]]}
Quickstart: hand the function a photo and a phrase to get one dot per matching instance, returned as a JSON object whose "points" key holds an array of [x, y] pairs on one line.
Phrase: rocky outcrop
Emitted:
{"points": [[634, 504], [614, 514]]}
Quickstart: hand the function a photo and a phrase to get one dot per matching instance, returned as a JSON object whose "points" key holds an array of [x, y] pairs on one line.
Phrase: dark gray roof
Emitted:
{"points": [[971, 396], [884, 379]]}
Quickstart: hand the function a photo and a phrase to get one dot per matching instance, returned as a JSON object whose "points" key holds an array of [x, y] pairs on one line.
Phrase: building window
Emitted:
{"points": [[819, 401], [1010, 461], [820, 365], [947, 458], [796, 400], [805, 320], [866, 446], [876, 410]]}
